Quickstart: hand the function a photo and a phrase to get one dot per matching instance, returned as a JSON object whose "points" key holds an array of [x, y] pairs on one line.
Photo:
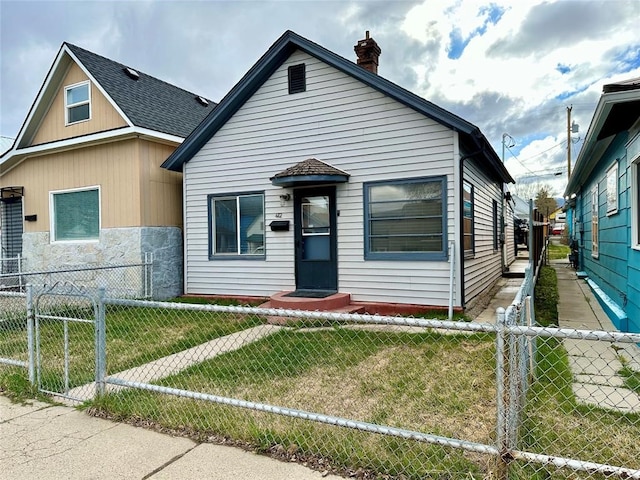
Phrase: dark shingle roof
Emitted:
{"points": [[310, 166], [147, 102], [309, 172], [630, 84]]}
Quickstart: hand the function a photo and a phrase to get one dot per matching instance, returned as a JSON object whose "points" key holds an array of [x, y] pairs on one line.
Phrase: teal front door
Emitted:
{"points": [[315, 239]]}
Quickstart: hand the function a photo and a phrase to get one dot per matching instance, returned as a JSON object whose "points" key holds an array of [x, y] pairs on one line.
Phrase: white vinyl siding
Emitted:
{"points": [[339, 121], [484, 267], [509, 234]]}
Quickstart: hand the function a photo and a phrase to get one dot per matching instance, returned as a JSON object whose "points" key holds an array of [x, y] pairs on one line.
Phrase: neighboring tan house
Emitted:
{"points": [[82, 184], [315, 174], [604, 203]]}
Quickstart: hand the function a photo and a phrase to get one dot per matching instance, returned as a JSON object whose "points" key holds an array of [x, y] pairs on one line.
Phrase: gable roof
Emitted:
{"points": [[148, 105], [147, 102], [276, 56], [617, 111]]}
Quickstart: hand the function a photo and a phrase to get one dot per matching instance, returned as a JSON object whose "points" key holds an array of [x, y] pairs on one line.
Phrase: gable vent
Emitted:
{"points": [[131, 73], [202, 101], [297, 78]]}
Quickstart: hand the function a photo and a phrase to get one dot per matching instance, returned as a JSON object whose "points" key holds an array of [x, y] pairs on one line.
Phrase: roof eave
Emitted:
{"points": [[585, 161], [303, 180], [272, 59]]}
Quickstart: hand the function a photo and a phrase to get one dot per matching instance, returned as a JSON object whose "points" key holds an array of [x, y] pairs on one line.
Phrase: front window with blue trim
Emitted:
{"points": [[405, 219], [236, 225]]}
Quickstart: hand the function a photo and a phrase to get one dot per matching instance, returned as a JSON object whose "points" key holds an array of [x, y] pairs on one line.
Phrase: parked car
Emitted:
{"points": [[558, 229]]}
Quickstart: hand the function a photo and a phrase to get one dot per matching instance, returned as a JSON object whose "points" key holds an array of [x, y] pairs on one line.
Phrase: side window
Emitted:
{"points": [[236, 225], [496, 225], [636, 202], [77, 102], [467, 218], [405, 219], [633, 151], [594, 222], [612, 189], [75, 215]]}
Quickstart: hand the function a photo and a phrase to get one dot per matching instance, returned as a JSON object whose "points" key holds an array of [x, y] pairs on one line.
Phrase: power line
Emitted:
{"points": [[545, 151], [516, 157]]}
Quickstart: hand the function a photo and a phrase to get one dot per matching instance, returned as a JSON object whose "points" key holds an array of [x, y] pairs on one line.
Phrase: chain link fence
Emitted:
{"points": [[359, 395], [16, 333]]}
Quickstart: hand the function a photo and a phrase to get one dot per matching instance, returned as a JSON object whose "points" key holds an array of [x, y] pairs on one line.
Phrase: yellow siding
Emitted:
{"points": [[103, 115], [160, 189], [113, 166]]}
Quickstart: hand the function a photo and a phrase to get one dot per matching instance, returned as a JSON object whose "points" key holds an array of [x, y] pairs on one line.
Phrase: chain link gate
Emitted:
{"points": [[69, 356]]}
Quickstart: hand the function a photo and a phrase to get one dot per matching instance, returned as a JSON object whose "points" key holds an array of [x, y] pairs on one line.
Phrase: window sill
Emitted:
{"points": [[237, 257], [400, 257], [77, 242], [77, 122]]}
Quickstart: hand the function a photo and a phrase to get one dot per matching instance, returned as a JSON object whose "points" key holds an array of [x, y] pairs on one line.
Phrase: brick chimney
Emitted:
{"points": [[368, 53]]}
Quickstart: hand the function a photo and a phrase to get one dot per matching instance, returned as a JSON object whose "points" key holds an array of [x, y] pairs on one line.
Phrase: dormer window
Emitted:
{"points": [[77, 102]]}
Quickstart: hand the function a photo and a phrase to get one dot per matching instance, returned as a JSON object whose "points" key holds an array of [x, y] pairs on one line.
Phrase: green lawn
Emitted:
{"points": [[134, 336], [427, 382], [554, 423]]}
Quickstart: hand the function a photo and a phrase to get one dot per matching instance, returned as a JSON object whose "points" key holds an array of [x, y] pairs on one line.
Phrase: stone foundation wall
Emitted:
{"points": [[116, 246], [166, 245]]}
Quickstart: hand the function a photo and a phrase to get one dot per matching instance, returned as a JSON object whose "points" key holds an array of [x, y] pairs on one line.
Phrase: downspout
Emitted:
{"points": [[461, 207]]}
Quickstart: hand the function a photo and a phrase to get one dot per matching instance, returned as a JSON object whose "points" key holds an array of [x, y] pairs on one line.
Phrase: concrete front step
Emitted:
{"points": [[336, 303], [331, 302]]}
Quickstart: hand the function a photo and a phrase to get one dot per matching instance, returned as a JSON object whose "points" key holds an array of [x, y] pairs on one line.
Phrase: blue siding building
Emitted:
{"points": [[604, 193]]}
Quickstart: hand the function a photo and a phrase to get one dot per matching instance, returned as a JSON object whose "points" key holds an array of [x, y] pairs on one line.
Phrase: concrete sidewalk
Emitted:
{"points": [[595, 364], [39, 440]]}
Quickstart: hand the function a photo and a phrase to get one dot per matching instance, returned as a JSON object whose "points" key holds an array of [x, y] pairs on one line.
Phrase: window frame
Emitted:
{"points": [[68, 106], [212, 231], [400, 256], [496, 224], [595, 222], [612, 184], [469, 252], [52, 214], [633, 153]]}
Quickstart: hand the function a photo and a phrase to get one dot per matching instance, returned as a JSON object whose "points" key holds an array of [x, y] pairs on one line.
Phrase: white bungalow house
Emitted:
{"points": [[314, 175]]}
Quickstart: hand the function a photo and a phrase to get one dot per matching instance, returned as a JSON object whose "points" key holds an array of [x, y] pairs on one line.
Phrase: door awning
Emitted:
{"points": [[309, 172]]}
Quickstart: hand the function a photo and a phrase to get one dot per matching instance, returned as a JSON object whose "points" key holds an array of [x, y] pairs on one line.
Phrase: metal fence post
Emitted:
{"points": [[101, 344], [512, 377], [502, 395], [30, 340]]}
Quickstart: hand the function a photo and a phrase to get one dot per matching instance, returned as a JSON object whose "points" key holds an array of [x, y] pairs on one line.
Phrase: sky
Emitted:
{"points": [[513, 68]]}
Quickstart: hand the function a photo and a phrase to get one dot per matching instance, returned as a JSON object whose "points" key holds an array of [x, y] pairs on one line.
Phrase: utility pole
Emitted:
{"points": [[569, 108]]}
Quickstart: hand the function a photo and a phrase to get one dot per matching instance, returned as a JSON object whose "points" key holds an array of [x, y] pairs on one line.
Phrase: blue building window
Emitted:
{"points": [[405, 219], [635, 199], [236, 225]]}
